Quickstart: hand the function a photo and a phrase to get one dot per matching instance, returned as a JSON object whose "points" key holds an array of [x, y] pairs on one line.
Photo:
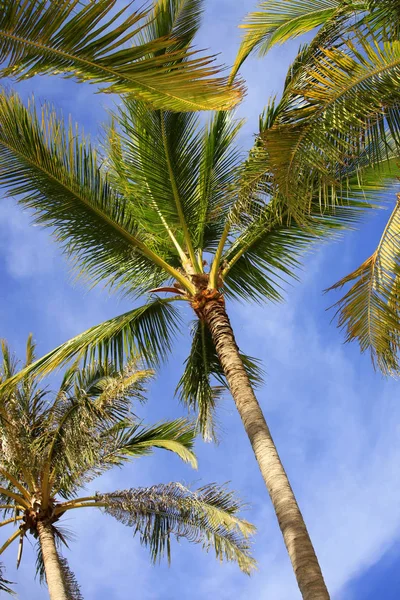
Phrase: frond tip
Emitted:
{"points": [[207, 515]]}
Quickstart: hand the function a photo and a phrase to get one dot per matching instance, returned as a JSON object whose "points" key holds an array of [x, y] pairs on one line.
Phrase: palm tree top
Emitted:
{"points": [[53, 445]]}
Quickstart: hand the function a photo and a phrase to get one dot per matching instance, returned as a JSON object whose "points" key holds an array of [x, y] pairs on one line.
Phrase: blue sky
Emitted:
{"points": [[336, 423]]}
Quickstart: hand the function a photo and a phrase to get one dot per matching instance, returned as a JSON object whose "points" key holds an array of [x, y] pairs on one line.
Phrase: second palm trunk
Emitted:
{"points": [[298, 543]]}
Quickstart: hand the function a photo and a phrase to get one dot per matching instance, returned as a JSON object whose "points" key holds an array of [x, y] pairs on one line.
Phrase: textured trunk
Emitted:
{"points": [[305, 564], [54, 574]]}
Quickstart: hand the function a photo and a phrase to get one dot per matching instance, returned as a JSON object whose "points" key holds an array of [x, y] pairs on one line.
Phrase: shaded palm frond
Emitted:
{"points": [[73, 589], [95, 44], [203, 381], [4, 583], [207, 515], [370, 310]]}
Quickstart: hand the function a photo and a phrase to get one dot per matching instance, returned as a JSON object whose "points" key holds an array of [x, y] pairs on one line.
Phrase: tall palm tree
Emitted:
{"points": [[172, 195], [95, 42], [52, 446]]}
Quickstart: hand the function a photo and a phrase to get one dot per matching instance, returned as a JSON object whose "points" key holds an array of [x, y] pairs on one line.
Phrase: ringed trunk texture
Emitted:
{"points": [[54, 574], [298, 543]]}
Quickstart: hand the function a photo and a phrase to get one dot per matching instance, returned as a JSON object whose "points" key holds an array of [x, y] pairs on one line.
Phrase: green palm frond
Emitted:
{"points": [[91, 42], [370, 310], [176, 436], [346, 102], [148, 331], [203, 381], [277, 21], [342, 110], [55, 173], [207, 516]]}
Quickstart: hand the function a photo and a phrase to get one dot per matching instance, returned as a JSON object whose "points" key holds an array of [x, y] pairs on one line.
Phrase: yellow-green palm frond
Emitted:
{"points": [[148, 331], [277, 21], [91, 42], [208, 516], [370, 310], [344, 108]]}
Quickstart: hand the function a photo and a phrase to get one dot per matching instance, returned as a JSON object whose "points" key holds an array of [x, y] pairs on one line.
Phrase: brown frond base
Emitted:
{"points": [[204, 296]]}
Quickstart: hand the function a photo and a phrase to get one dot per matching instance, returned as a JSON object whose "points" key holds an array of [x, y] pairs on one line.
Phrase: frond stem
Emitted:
{"points": [[10, 540], [213, 281], [177, 199]]}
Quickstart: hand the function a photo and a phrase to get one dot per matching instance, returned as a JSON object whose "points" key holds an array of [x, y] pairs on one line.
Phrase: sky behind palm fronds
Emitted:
{"points": [[334, 420]]}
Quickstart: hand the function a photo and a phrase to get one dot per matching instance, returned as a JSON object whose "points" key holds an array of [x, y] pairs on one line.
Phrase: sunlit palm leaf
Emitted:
{"points": [[276, 21], [96, 44], [344, 106], [370, 310], [206, 516], [147, 330], [57, 175]]}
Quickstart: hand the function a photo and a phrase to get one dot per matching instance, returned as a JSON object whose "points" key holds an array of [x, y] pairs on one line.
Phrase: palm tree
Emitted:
{"points": [[172, 196], [52, 447], [92, 41]]}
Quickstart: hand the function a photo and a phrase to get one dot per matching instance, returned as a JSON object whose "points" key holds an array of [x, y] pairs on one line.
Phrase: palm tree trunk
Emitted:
{"points": [[298, 543], [52, 565]]}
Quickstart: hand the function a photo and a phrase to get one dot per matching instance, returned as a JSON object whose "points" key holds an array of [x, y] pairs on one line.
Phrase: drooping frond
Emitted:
{"points": [[207, 516], [73, 589], [4, 584], [55, 173], [276, 21], [370, 310], [203, 380], [92, 42], [148, 331]]}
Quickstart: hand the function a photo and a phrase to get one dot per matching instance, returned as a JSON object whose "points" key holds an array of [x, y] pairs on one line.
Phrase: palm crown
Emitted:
{"points": [[52, 448]]}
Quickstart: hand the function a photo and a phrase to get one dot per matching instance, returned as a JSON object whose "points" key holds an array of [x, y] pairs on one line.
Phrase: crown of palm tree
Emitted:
{"points": [[52, 447]]}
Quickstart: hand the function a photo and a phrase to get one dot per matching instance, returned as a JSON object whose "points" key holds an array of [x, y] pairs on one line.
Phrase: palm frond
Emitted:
{"points": [[277, 21], [4, 584], [94, 44], [73, 589], [207, 515], [203, 380], [176, 436], [147, 330], [55, 173], [345, 105], [370, 309]]}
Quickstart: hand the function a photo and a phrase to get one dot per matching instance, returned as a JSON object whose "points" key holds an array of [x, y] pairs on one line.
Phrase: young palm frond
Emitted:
{"points": [[91, 42], [207, 515]]}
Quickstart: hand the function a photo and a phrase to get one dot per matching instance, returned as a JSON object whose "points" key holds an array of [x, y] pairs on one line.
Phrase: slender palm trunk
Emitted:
{"points": [[298, 543], [52, 565]]}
